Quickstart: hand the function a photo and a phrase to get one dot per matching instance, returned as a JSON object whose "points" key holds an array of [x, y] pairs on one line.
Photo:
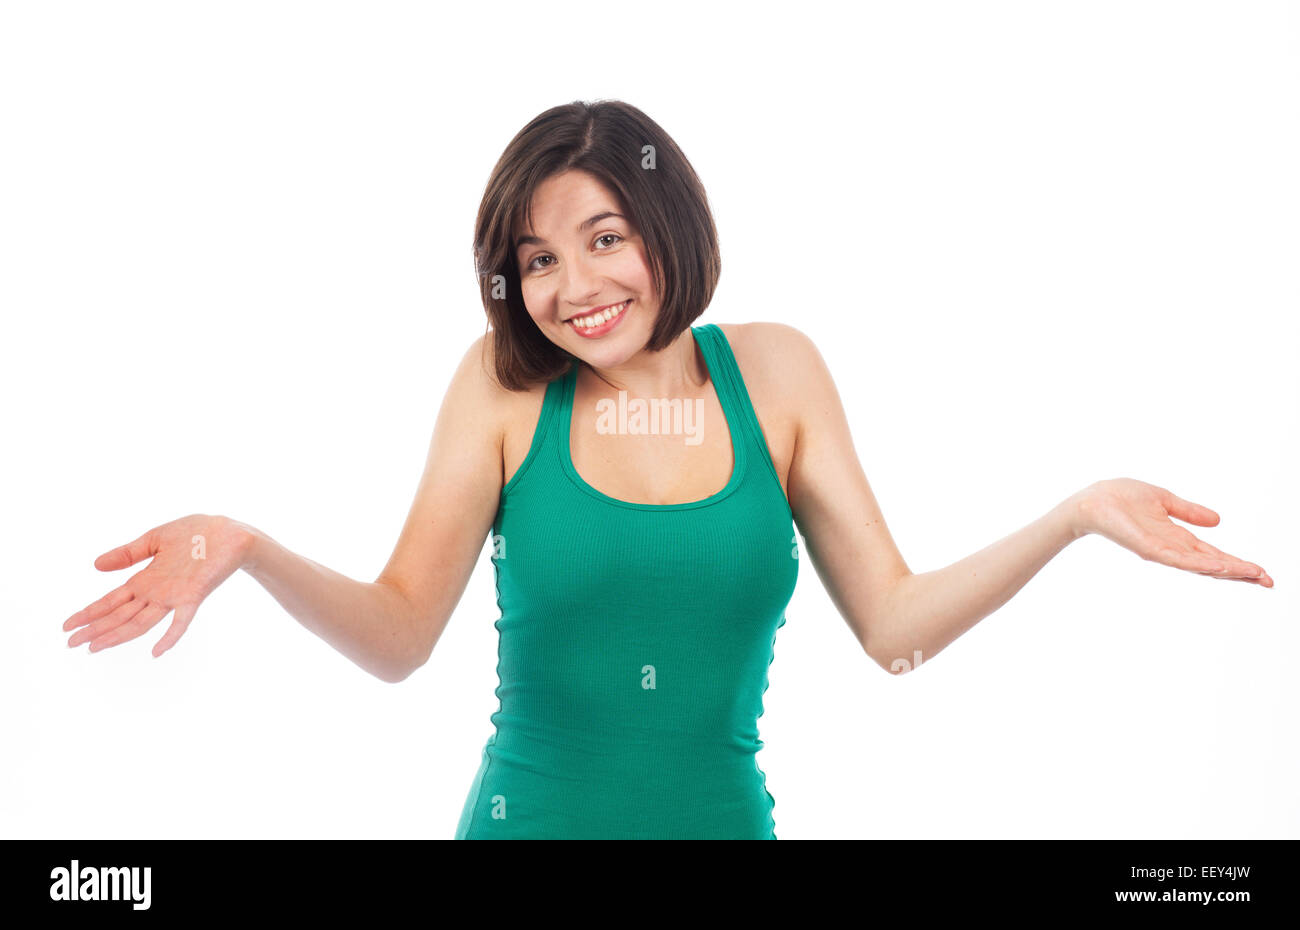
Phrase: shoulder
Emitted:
{"points": [[475, 389], [774, 357], [510, 416], [787, 381], [477, 371], [770, 344]]}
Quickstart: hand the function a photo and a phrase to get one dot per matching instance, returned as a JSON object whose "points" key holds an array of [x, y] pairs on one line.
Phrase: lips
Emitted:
{"points": [[587, 313], [618, 310], [610, 311]]}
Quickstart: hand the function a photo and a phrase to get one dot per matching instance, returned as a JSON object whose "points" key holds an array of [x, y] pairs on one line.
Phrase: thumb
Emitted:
{"points": [[180, 623], [132, 552], [1189, 512]]}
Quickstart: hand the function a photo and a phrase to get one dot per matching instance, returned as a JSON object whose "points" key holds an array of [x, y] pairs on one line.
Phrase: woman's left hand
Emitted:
{"points": [[1136, 515]]}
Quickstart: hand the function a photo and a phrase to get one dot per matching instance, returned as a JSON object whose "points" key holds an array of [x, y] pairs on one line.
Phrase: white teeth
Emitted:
{"points": [[603, 316]]}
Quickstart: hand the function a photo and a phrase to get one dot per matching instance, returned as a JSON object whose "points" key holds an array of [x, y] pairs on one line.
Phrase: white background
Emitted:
{"points": [[1038, 244]]}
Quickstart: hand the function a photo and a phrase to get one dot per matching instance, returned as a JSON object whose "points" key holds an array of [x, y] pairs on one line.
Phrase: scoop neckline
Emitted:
{"points": [[733, 430]]}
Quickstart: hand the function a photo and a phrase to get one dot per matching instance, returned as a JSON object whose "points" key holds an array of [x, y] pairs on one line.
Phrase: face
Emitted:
{"points": [[583, 262]]}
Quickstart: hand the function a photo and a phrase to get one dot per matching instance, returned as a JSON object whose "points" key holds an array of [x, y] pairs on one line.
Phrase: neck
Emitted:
{"points": [[677, 371]]}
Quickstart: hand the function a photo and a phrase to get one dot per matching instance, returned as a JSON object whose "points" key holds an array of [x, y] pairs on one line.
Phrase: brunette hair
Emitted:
{"points": [[661, 195]]}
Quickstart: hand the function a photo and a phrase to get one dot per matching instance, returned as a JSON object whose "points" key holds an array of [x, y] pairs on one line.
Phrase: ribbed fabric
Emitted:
{"points": [[634, 643]]}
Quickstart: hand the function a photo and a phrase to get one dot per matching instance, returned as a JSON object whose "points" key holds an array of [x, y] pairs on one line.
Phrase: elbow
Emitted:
{"points": [[398, 674], [880, 638], [411, 647], [876, 658], [873, 651], [890, 659], [390, 672], [394, 664]]}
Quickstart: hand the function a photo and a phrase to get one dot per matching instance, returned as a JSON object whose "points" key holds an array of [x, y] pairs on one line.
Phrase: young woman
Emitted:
{"points": [[641, 479]]}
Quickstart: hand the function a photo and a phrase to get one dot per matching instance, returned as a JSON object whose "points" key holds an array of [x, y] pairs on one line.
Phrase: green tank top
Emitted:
{"points": [[633, 643]]}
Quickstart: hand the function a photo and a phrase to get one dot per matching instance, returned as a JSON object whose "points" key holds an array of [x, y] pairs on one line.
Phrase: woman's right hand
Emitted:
{"points": [[190, 558]]}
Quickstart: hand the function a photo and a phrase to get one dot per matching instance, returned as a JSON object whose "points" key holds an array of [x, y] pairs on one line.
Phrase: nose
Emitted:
{"points": [[579, 283]]}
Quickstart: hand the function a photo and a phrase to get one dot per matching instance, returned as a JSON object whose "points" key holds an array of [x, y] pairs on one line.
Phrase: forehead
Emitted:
{"points": [[563, 201]]}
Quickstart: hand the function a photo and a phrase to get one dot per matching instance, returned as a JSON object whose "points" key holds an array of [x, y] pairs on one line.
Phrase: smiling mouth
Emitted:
{"points": [[599, 318]]}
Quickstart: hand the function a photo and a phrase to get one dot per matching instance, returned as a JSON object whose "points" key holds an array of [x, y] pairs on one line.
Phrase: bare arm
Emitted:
{"points": [[924, 613], [371, 624], [899, 617], [902, 618], [455, 503], [842, 525], [389, 626]]}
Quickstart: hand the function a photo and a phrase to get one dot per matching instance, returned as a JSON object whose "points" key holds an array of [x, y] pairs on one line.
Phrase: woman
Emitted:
{"points": [[641, 478]]}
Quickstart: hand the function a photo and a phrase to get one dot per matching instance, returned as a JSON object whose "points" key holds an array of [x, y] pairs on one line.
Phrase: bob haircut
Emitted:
{"points": [[661, 196]]}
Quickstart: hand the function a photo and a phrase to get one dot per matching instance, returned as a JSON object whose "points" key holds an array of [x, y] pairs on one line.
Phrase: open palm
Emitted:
{"points": [[1137, 516], [190, 557]]}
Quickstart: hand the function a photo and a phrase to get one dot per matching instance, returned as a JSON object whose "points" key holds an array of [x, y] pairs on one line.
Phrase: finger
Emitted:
{"points": [[1263, 580], [140, 623], [1186, 536], [123, 613], [1253, 576], [180, 623], [1187, 511], [1190, 560], [132, 552], [1210, 550], [1242, 572], [119, 595], [1234, 565]]}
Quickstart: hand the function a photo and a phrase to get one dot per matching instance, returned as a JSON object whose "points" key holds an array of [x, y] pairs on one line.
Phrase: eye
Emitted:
{"points": [[610, 236], [533, 263]]}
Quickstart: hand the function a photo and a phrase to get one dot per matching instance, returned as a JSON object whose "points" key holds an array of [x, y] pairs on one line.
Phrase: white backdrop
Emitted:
{"points": [[1038, 244]]}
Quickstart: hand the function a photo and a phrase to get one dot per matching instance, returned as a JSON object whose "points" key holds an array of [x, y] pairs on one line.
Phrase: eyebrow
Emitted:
{"points": [[585, 224]]}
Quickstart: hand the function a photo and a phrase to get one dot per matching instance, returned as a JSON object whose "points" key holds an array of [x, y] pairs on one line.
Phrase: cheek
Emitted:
{"points": [[637, 272], [536, 299]]}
